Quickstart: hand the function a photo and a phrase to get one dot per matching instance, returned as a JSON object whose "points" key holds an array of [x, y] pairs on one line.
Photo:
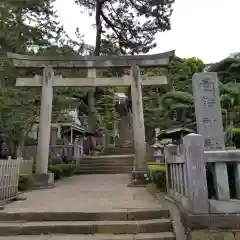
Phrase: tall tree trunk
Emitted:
{"points": [[91, 97], [99, 28]]}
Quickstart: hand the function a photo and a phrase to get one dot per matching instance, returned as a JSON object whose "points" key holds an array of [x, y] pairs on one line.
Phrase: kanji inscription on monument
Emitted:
{"points": [[208, 110]]}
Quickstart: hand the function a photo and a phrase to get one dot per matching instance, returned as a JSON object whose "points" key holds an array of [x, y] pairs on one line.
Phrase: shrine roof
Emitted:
{"points": [[174, 133]]}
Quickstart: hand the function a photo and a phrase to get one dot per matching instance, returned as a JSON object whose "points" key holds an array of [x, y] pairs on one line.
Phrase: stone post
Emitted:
{"points": [[42, 176], [196, 173], [140, 168]]}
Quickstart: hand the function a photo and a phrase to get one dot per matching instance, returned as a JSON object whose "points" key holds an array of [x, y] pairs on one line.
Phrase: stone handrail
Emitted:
{"points": [[187, 181]]}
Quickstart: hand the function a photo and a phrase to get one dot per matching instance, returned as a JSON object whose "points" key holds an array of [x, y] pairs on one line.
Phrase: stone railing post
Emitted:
{"points": [[196, 173], [170, 151]]}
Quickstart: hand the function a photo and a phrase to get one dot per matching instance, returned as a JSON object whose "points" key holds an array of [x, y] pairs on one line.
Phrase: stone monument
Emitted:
{"points": [[158, 148], [208, 110]]}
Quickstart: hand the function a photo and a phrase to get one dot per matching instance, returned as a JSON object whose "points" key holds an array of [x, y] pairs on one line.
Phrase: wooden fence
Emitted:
{"points": [[10, 169], [9, 175], [203, 182]]}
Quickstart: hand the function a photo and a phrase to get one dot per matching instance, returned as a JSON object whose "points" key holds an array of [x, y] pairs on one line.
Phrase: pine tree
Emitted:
{"points": [[130, 24]]}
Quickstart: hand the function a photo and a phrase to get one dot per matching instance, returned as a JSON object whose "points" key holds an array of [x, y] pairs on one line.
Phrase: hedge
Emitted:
{"points": [[157, 175], [61, 170], [25, 182]]}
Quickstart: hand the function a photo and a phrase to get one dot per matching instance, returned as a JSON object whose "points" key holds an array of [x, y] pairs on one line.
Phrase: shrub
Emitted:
{"points": [[157, 174], [236, 137], [61, 170], [28, 141], [25, 182], [159, 178]]}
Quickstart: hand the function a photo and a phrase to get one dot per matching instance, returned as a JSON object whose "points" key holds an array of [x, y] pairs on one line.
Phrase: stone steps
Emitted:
{"points": [[95, 170], [85, 227], [113, 215], [142, 236], [115, 161], [125, 224], [118, 150], [109, 157], [106, 164]]}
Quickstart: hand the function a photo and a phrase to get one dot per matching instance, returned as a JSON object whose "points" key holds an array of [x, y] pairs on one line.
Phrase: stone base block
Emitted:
{"points": [[41, 181], [139, 179]]}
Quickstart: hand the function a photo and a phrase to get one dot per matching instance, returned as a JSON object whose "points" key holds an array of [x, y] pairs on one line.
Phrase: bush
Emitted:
{"points": [[28, 141], [159, 178], [236, 137], [157, 175], [61, 160], [61, 170], [25, 182]]}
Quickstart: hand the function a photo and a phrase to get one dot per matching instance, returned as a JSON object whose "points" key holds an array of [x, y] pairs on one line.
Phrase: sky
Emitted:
{"points": [[207, 29]]}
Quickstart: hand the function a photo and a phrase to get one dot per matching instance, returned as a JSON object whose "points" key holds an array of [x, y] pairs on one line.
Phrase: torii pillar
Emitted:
{"points": [[140, 167], [42, 176]]}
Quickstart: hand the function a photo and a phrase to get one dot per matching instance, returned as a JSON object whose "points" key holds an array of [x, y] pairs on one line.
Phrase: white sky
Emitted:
{"points": [[207, 29]]}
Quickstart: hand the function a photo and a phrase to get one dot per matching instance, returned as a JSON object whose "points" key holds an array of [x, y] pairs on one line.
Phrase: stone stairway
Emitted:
{"points": [[125, 224], [118, 150], [106, 164]]}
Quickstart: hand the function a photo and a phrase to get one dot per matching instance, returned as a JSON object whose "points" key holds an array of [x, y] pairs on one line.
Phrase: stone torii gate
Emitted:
{"points": [[48, 80]]}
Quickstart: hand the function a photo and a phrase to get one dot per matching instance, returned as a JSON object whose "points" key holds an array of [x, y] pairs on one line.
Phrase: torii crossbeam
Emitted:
{"points": [[48, 81]]}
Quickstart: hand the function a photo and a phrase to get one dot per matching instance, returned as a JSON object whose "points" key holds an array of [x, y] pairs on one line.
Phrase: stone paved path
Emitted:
{"points": [[86, 193]]}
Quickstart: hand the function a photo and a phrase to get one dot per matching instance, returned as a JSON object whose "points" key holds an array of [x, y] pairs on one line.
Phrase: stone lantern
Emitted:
{"points": [[158, 148]]}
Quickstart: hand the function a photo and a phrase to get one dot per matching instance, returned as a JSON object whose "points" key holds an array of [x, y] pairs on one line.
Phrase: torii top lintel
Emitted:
{"points": [[155, 60]]}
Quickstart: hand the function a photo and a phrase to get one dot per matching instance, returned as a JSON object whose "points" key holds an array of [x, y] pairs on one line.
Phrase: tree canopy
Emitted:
{"points": [[131, 25], [28, 27]]}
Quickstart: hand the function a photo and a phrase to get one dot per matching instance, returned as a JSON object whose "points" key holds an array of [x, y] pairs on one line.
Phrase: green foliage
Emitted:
{"points": [[106, 107], [236, 130], [28, 141], [175, 108], [236, 137], [228, 70], [124, 27], [30, 27], [61, 170], [229, 75], [131, 25], [172, 107], [25, 182], [157, 175], [154, 167]]}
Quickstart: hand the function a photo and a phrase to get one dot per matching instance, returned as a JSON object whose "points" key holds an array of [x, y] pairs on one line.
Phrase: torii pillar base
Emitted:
{"points": [[138, 179], [43, 181]]}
